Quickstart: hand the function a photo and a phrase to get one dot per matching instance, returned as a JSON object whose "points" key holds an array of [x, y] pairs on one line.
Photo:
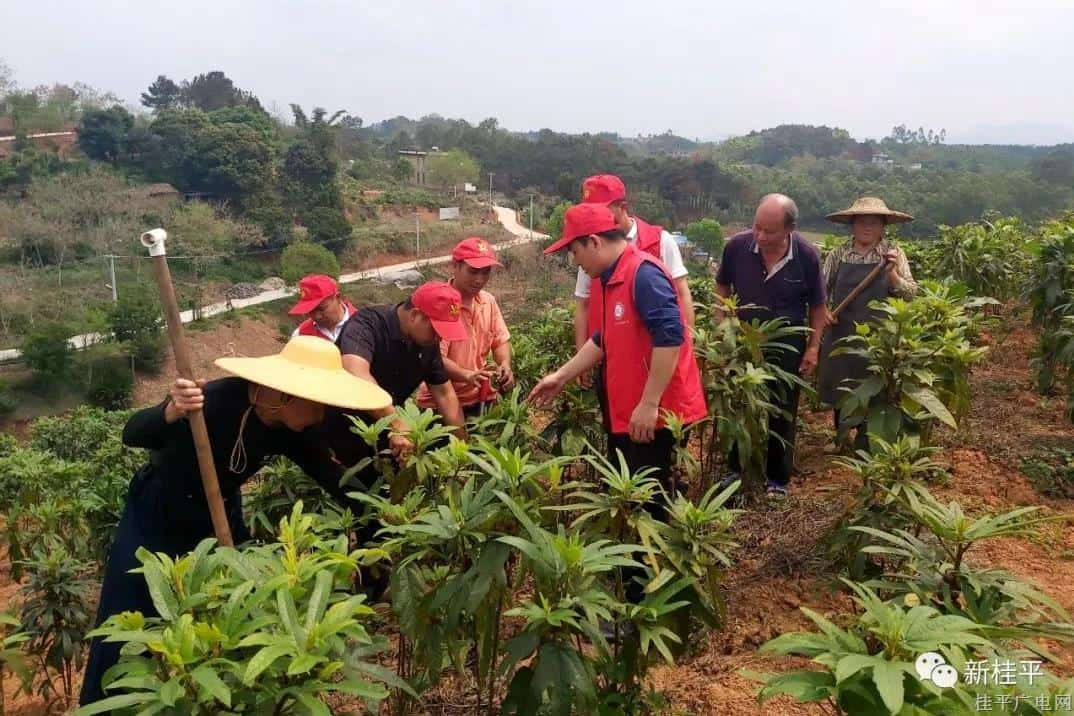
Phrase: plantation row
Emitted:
{"points": [[521, 567]]}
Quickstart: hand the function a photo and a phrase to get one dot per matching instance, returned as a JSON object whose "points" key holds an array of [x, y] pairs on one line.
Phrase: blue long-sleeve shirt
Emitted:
{"points": [[656, 302]]}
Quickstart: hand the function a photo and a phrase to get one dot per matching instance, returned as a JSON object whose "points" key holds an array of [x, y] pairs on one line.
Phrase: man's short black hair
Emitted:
{"points": [[610, 235]]}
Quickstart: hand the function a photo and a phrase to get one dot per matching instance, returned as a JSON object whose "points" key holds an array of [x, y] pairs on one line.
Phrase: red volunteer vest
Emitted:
{"points": [[648, 241], [309, 328], [628, 347]]}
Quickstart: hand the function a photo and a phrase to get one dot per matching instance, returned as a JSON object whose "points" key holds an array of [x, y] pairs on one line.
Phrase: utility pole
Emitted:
{"points": [[531, 216], [112, 276], [491, 174], [417, 233]]}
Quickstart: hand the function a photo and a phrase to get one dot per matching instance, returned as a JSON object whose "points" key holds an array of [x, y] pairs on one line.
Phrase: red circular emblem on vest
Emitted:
{"points": [[618, 311]]}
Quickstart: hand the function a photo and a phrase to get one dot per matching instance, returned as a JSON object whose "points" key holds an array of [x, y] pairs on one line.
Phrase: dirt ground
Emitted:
{"points": [[776, 569]]}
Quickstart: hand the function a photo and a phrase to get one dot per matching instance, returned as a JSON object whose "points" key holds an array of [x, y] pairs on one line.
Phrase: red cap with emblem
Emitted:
{"points": [[442, 303], [312, 290], [476, 252], [603, 189], [583, 220]]}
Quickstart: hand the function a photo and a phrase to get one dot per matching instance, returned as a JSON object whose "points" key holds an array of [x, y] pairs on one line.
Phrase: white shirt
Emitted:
{"points": [[332, 335], [669, 255]]}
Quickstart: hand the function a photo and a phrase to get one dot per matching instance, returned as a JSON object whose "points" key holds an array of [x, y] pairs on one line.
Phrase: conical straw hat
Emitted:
{"points": [[312, 368], [869, 206]]}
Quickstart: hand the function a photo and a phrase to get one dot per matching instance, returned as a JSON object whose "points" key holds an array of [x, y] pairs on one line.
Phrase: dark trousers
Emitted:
{"points": [[476, 409], [639, 456], [143, 524], [780, 460]]}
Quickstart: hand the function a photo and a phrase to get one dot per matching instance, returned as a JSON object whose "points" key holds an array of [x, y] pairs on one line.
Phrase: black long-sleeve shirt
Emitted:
{"points": [[173, 460]]}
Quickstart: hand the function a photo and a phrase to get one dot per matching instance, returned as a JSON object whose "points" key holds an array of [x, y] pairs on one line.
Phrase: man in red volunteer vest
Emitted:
{"points": [[609, 190], [640, 335], [323, 305]]}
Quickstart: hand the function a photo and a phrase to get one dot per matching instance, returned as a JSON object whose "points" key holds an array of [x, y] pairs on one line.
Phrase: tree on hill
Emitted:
{"points": [[707, 235], [452, 168], [310, 175], [214, 90], [162, 94], [102, 133]]}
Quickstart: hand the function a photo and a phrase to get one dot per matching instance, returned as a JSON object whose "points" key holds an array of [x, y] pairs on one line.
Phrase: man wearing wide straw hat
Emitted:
{"points": [[263, 412], [844, 269]]}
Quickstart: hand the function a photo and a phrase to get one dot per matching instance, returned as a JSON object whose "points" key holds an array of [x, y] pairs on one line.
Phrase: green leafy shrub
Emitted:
{"points": [[933, 569], [707, 235], [47, 351], [287, 634], [1051, 472], [136, 321], [109, 383], [919, 355], [739, 372], [988, 257], [303, 258], [868, 667], [8, 399], [12, 658], [57, 614], [887, 474]]}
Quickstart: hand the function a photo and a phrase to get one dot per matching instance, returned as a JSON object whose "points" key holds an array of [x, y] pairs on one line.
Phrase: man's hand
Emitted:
{"points": [[505, 377], [830, 319], [643, 422], [186, 395], [585, 379], [891, 258], [477, 377], [401, 447], [809, 360], [549, 387]]}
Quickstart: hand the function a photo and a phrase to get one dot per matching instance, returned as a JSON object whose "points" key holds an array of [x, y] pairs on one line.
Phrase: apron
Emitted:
{"points": [[834, 370]]}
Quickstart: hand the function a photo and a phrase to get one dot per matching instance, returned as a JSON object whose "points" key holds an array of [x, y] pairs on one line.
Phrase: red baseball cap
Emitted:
{"points": [[442, 303], [312, 290], [603, 189], [476, 252], [583, 220]]}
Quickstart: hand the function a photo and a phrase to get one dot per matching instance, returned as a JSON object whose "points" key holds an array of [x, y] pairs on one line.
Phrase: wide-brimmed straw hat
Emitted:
{"points": [[312, 368], [869, 206]]}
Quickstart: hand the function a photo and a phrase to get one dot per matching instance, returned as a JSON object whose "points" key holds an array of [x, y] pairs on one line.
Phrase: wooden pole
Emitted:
{"points": [[856, 291], [154, 241]]}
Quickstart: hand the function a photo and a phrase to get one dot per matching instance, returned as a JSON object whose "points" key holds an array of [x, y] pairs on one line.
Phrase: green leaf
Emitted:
{"points": [[318, 599], [115, 703], [852, 664], [888, 677], [262, 660], [928, 400], [207, 679], [172, 691], [804, 686]]}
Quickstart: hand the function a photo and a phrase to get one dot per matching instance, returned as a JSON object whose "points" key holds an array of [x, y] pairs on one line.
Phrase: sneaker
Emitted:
{"points": [[728, 479], [775, 491]]}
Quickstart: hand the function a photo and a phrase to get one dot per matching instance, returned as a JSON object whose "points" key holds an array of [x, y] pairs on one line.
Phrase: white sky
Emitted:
{"points": [[986, 71]]}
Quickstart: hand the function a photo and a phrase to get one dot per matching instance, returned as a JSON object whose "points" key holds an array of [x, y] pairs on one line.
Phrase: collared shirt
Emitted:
{"points": [[903, 284], [787, 292], [332, 335], [669, 255], [487, 331], [655, 301], [787, 258], [397, 364]]}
